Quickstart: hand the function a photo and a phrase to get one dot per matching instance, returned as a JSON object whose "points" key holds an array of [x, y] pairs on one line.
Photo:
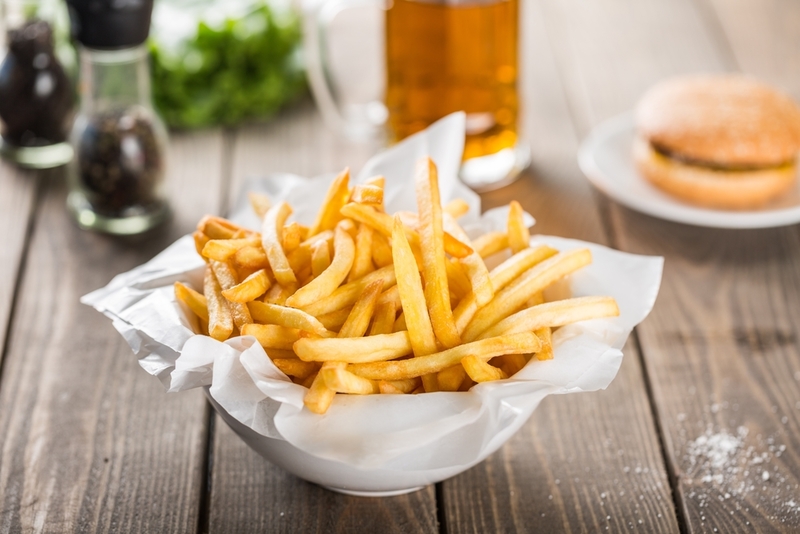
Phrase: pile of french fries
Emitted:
{"points": [[364, 302]]}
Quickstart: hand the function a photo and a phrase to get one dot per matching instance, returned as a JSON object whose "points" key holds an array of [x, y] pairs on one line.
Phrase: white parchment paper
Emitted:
{"points": [[428, 431]]}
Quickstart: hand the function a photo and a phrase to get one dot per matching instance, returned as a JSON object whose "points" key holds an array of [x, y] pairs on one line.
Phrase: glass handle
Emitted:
{"points": [[368, 122]]}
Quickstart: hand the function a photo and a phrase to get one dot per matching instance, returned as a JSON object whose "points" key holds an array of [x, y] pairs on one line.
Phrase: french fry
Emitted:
{"points": [[248, 289], [473, 265], [347, 294], [227, 280], [251, 257], [291, 236], [224, 249], [336, 197], [358, 321], [450, 379], [195, 301], [511, 364], [490, 243], [518, 235], [271, 336], [456, 208], [412, 296], [341, 380], [220, 321], [433, 363], [260, 204], [398, 386], [367, 194], [217, 227], [334, 320], [511, 298], [319, 396], [481, 371], [382, 223], [383, 318], [362, 263], [265, 313], [354, 349], [277, 294], [295, 367], [320, 258], [328, 281], [200, 240], [271, 242], [545, 333], [552, 314], [381, 250]]}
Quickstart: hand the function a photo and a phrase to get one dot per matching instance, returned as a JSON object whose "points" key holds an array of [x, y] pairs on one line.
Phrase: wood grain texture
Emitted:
{"points": [[17, 197], [90, 442], [248, 494], [583, 463], [721, 346]]}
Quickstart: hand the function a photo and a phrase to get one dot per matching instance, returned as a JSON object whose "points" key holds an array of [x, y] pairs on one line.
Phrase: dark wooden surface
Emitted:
{"points": [[91, 443]]}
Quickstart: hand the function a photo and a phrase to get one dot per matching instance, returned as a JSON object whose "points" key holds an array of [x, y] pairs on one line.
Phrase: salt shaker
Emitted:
{"points": [[117, 175]]}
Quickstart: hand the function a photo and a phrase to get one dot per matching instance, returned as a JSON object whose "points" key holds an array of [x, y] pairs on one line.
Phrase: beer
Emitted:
{"points": [[453, 55]]}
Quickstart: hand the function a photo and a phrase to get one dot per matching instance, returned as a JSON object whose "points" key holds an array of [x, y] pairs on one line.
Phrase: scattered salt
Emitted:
{"points": [[765, 476]]}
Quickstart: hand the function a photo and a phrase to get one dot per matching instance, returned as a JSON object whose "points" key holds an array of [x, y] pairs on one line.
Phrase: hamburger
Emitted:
{"points": [[720, 141]]}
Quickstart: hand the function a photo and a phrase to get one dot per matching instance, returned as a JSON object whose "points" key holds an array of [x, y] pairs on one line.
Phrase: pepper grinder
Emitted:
{"points": [[35, 93], [116, 177]]}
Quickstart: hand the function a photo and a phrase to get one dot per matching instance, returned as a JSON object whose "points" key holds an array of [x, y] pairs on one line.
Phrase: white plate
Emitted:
{"points": [[605, 158]]}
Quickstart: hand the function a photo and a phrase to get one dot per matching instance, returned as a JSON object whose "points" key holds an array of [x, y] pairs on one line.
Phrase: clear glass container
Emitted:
{"points": [[116, 177], [36, 95]]}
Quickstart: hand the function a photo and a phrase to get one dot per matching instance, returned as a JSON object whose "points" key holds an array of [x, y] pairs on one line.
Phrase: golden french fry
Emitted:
{"points": [[481, 371], [519, 237], [473, 265], [358, 320], [320, 258], [217, 227], [342, 381], [328, 281], [450, 379], [511, 364], [266, 313], [271, 336], [457, 279], [333, 321], [535, 300], [220, 321], [278, 294], [354, 349], [200, 240], [291, 236], [511, 298], [295, 367], [248, 289], [412, 296], [399, 386], [383, 319], [195, 301], [347, 294], [319, 396], [251, 257], [490, 243], [381, 250], [301, 256], [456, 208], [545, 333], [367, 194], [227, 280], [362, 263], [558, 313], [382, 223], [486, 349], [309, 381], [400, 323], [260, 203], [224, 249], [434, 270], [271, 230], [336, 197]]}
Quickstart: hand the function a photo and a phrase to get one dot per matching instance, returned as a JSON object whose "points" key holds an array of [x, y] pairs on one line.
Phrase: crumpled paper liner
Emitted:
{"points": [[396, 432]]}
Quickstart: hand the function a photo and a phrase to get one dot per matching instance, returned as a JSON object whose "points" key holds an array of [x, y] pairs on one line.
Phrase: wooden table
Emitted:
{"points": [[700, 431]]}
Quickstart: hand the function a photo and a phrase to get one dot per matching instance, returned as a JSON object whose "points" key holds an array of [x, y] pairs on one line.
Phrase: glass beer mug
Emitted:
{"points": [[441, 56]]}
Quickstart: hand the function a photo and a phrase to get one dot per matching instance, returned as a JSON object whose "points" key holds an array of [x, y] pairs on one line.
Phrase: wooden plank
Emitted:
{"points": [[588, 462], [89, 441], [16, 210], [721, 346], [247, 493]]}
